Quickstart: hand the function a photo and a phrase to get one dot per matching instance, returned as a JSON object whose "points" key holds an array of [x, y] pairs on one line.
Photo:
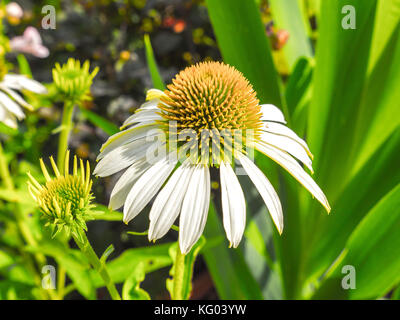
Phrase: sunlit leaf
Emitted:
{"points": [[373, 250]]}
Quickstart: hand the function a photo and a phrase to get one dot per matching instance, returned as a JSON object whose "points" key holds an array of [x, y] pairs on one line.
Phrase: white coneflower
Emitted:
{"points": [[208, 97], [11, 101]]}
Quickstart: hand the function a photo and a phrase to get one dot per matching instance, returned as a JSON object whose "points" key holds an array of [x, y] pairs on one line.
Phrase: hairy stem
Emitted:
{"points": [[98, 265], [66, 127]]}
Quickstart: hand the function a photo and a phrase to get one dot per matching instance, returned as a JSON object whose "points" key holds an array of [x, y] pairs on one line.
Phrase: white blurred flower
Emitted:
{"points": [[30, 42], [14, 10], [207, 96], [11, 101]]}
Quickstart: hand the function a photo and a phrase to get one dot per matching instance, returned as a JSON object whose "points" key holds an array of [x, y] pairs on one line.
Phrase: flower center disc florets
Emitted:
{"points": [[213, 97]]}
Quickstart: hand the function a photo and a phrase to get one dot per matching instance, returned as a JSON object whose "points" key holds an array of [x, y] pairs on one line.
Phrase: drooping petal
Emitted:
{"points": [[271, 113], [194, 208], [8, 118], [291, 165], [289, 145], [283, 130], [125, 183], [146, 187], [18, 99], [168, 203], [233, 205], [126, 136], [151, 105], [11, 106], [123, 157], [150, 115], [19, 82], [265, 189]]}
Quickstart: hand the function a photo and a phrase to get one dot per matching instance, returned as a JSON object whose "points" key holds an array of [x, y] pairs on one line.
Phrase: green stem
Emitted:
{"points": [[4, 172], [179, 275], [61, 283], [98, 265], [66, 127]]}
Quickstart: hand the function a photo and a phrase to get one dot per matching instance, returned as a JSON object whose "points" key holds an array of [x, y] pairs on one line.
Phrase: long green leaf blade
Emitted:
{"points": [[243, 43], [374, 251]]}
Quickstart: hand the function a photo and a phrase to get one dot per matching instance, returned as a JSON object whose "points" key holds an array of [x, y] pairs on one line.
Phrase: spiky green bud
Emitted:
{"points": [[73, 80], [65, 200]]}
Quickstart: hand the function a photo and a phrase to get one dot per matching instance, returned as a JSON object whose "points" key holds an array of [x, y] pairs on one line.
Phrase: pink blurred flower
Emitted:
{"points": [[30, 42]]}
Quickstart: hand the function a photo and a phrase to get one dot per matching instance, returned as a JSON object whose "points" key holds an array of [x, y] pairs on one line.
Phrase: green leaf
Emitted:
{"points": [[257, 243], [299, 87], [374, 251], [287, 15], [152, 65], [7, 130], [5, 259], [23, 64], [110, 249], [100, 212], [243, 43], [386, 24], [154, 257], [131, 289], [396, 294], [14, 290], [373, 181], [75, 264], [339, 76], [298, 93], [186, 282], [375, 121], [99, 121]]}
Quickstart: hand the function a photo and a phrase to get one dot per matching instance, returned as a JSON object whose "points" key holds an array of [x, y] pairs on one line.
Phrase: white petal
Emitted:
{"points": [[146, 187], [126, 136], [233, 205], [142, 116], [265, 189], [7, 118], [289, 145], [271, 113], [194, 208], [291, 165], [16, 97], [168, 203], [11, 106], [22, 82], [122, 157], [281, 129], [125, 183]]}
